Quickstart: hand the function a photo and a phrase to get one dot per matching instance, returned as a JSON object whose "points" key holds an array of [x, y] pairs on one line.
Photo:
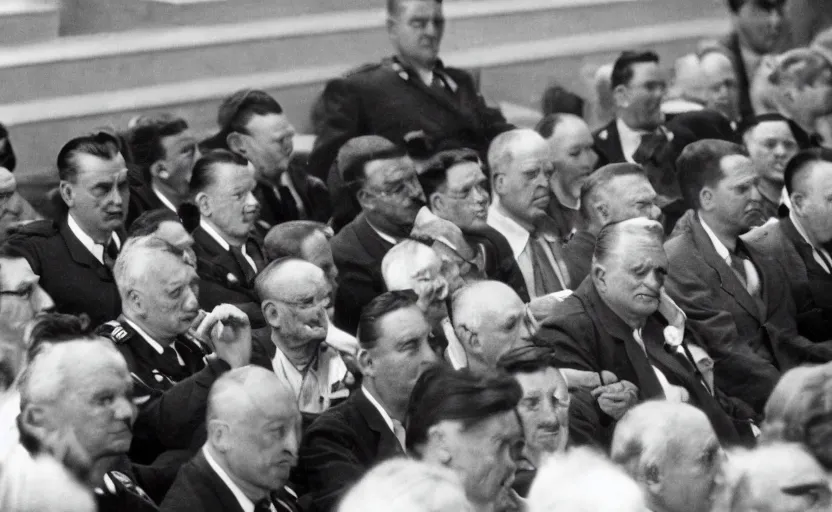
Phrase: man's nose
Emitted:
{"points": [[124, 409], [655, 212], [251, 201], [755, 194], [41, 301]]}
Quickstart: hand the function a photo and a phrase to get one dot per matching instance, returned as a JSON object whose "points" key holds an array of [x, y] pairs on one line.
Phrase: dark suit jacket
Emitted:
{"points": [[313, 194], [577, 253], [340, 446], [587, 335], [751, 344], [142, 199], [500, 264], [811, 285], [357, 250], [388, 100], [69, 273], [198, 488], [608, 145], [221, 280]]}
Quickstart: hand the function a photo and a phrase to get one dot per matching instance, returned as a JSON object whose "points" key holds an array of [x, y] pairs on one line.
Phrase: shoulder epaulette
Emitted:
{"points": [[43, 228], [364, 68], [117, 332]]}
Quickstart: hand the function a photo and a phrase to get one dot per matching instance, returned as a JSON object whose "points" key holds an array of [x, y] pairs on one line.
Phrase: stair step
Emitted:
{"points": [[27, 21]]}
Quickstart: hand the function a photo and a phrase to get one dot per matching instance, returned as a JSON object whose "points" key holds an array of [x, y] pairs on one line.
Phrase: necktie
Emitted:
{"points": [[264, 505], [110, 254], [289, 209], [244, 265], [746, 273], [828, 264], [399, 432], [545, 279]]}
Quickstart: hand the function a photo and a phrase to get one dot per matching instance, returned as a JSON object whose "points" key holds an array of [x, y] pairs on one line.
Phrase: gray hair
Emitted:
{"points": [[397, 265], [133, 264], [503, 149]]}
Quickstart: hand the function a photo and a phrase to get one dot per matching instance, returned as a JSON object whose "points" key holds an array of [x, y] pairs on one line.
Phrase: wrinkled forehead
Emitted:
{"points": [[229, 177], [635, 249], [620, 189], [419, 8], [570, 128]]}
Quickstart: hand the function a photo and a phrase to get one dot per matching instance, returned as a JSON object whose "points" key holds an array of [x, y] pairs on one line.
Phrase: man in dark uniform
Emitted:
{"points": [[165, 151], [74, 256], [408, 94]]}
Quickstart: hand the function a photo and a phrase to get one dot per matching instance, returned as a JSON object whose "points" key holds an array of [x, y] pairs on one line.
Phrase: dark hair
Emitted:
{"points": [[393, 6], [145, 141], [557, 100], [56, 328], [802, 138], [528, 359], [377, 309], [236, 112], [547, 125], [801, 161], [622, 70], [285, 239], [442, 393], [102, 145], [204, 168], [149, 222], [435, 170], [600, 178], [736, 5], [354, 172], [699, 166]]}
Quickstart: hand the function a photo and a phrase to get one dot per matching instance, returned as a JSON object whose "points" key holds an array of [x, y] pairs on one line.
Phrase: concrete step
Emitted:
{"points": [[514, 72], [27, 21], [108, 62]]}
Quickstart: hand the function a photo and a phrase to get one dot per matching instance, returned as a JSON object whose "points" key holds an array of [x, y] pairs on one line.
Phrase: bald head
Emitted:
{"points": [[246, 391], [287, 275]]}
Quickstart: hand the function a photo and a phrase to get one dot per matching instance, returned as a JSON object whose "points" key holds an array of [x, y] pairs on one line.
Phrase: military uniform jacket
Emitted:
{"points": [[392, 101], [69, 273]]}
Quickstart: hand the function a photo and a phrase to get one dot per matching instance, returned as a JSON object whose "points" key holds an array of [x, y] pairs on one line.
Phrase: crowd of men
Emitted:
{"points": [[436, 310]]}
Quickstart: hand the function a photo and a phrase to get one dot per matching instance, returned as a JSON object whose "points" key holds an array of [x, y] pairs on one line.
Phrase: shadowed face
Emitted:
{"points": [[719, 80], [735, 199], [813, 202], [640, 100], [269, 144], [771, 145], [416, 31], [760, 24], [573, 156], [464, 198]]}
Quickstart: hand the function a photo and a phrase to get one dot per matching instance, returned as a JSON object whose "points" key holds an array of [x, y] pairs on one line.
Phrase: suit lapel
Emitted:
{"points": [[444, 100], [81, 255], [388, 445], [375, 246], [225, 497], [216, 254], [609, 142]]}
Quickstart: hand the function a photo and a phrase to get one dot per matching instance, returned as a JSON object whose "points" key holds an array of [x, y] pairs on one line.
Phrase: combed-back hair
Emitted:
{"points": [[286, 239], [378, 308], [599, 179], [102, 145], [442, 393], [56, 328], [145, 140], [699, 166], [801, 162], [622, 70], [203, 175], [435, 170], [148, 222], [801, 67], [529, 359], [394, 6], [608, 237], [546, 126]]}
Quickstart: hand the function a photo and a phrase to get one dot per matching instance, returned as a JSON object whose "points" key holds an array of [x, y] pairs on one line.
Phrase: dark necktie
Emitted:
{"points": [[545, 279], [264, 505], [288, 208], [244, 265], [110, 254]]}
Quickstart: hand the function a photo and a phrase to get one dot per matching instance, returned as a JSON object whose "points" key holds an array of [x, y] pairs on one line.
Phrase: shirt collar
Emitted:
{"points": [[384, 236], [630, 138], [245, 503], [165, 201], [386, 417], [150, 341], [212, 231], [97, 250], [516, 234], [723, 251]]}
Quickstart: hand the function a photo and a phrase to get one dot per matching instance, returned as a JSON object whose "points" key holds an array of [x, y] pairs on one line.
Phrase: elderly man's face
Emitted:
{"points": [[771, 146], [720, 91], [233, 208], [760, 24], [427, 280], [483, 455], [416, 31], [814, 206], [816, 97], [633, 276], [465, 198], [316, 250], [21, 298], [544, 412], [98, 196], [169, 294], [302, 308], [735, 200], [392, 192], [269, 144], [630, 197], [794, 484], [641, 99], [181, 153], [524, 186], [573, 155], [503, 327]]}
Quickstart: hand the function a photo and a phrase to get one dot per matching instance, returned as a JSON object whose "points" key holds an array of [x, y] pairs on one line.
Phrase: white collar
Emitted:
{"points": [[165, 201], [96, 249], [212, 231], [245, 503], [516, 234], [723, 251], [386, 417], [150, 341], [630, 138], [287, 182], [384, 236]]}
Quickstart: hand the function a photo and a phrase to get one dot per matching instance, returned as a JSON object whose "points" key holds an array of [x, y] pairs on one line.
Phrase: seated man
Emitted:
{"points": [[14, 209], [468, 423], [456, 190], [304, 239], [21, 299], [612, 193], [74, 257], [574, 158], [164, 150], [254, 432], [798, 241], [802, 79], [673, 453], [521, 169], [348, 439], [616, 321], [737, 301], [228, 257], [167, 225], [294, 297]]}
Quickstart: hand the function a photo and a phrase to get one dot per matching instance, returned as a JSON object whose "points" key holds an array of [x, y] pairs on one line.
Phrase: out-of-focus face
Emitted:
{"points": [[264, 444], [760, 24], [735, 200], [175, 234], [692, 475], [524, 186], [502, 326], [425, 277], [391, 194], [794, 482], [98, 197], [629, 197], [573, 156], [483, 457], [464, 200], [544, 412], [634, 277], [720, 89], [416, 31], [771, 146], [269, 144], [816, 98], [181, 153], [640, 101], [21, 298], [96, 405], [233, 208], [814, 207], [169, 294], [316, 250], [401, 353], [302, 304]]}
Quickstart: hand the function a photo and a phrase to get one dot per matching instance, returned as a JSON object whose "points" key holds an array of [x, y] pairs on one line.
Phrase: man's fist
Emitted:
{"points": [[229, 332], [616, 399]]}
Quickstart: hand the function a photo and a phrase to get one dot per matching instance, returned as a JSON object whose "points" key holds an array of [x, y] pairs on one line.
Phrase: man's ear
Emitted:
{"points": [[652, 479], [365, 200], [706, 199], [136, 302], [798, 203], [619, 94], [36, 422], [469, 339], [67, 193], [271, 313], [236, 143], [438, 439], [498, 184], [436, 201], [219, 435], [599, 275], [391, 22], [603, 212], [159, 170], [365, 362], [203, 203]]}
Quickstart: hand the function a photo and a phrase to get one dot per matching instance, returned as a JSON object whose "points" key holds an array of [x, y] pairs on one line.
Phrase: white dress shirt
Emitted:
{"points": [[95, 249], [386, 417], [165, 201], [286, 181], [630, 139], [751, 276], [245, 503], [816, 251], [326, 373], [153, 343], [518, 239], [209, 228]]}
